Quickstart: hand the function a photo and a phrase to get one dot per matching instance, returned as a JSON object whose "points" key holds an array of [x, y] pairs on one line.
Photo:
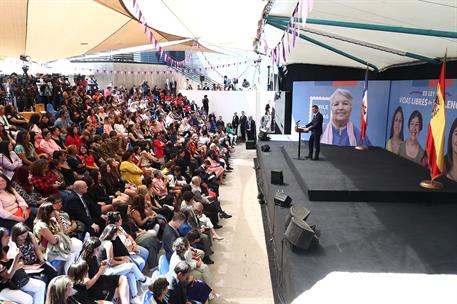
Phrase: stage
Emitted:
{"points": [[372, 216]]}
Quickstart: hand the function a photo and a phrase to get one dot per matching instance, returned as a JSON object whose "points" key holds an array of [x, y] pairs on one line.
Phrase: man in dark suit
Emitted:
{"points": [[315, 126], [205, 238], [170, 233], [81, 210], [243, 120], [251, 129], [235, 123]]}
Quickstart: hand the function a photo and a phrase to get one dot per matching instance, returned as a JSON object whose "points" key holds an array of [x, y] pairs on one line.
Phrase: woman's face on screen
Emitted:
{"points": [[414, 127], [398, 122], [341, 109]]}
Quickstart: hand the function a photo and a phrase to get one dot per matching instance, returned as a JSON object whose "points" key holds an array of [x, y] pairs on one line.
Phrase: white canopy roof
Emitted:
{"points": [[429, 28]]}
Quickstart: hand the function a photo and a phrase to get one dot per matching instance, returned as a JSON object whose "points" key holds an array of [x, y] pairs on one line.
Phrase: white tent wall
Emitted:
{"points": [[132, 74], [225, 103]]}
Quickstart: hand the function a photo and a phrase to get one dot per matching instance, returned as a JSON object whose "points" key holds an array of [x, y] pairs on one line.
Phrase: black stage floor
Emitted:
{"points": [[395, 236], [376, 175]]}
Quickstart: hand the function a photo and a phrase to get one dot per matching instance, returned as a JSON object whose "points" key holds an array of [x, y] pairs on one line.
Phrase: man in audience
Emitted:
{"points": [[171, 233], [205, 238], [80, 210]]}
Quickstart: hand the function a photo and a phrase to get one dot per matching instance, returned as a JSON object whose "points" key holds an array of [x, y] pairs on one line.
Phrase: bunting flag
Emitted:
{"points": [[364, 111], [436, 128]]}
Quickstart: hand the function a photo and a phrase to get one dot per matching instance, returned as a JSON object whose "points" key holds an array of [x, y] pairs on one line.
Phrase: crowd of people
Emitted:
{"points": [[90, 194]]}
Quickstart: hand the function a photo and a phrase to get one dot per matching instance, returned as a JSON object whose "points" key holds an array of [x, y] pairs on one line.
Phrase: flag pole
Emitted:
{"points": [[364, 115], [435, 135]]}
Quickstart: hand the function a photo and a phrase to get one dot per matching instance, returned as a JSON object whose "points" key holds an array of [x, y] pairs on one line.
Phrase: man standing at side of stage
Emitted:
{"points": [[205, 102], [315, 126], [235, 122], [243, 120]]}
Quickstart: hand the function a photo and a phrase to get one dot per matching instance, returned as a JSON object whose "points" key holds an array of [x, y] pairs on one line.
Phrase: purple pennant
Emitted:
{"points": [[283, 50], [294, 38]]}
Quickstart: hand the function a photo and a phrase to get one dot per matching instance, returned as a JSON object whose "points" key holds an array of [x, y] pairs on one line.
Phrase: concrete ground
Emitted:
{"points": [[241, 272]]}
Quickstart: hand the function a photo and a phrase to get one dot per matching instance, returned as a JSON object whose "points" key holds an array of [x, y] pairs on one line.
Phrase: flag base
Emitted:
{"points": [[361, 148], [431, 184]]}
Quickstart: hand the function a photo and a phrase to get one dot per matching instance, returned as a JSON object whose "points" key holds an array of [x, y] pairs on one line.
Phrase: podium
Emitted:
{"points": [[299, 131]]}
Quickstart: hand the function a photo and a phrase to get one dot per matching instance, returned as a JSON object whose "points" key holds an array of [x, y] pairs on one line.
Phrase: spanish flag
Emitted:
{"points": [[435, 135]]}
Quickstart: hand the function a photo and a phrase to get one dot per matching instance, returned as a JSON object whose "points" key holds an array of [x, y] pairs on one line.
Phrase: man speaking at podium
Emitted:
{"points": [[315, 126]]}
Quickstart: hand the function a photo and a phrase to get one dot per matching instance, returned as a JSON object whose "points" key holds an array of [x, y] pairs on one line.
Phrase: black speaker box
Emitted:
{"points": [[202, 78], [282, 199], [277, 178], [300, 234], [265, 148], [250, 145]]}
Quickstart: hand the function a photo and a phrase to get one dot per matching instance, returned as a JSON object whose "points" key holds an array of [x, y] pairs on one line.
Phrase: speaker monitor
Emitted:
{"points": [[265, 148], [300, 234], [282, 199], [298, 212], [277, 178], [202, 78], [250, 145]]}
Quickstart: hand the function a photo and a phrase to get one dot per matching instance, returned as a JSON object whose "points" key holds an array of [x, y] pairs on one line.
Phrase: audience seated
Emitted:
{"points": [[119, 166]]}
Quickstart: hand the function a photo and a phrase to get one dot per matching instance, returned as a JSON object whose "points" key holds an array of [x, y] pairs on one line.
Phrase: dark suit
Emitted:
{"points": [[168, 237], [177, 291], [251, 129], [235, 122], [76, 210], [243, 120], [205, 239], [315, 126]]}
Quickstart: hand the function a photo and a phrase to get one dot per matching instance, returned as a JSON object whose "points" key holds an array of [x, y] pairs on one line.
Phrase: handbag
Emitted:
{"points": [[19, 279]]}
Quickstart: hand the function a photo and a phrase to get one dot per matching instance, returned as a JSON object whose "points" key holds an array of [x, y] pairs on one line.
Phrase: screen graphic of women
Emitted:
{"points": [[411, 149], [341, 131], [451, 156], [396, 132]]}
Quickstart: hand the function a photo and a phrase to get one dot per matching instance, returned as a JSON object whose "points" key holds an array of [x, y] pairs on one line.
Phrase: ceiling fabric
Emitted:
{"points": [[437, 15], [47, 30]]}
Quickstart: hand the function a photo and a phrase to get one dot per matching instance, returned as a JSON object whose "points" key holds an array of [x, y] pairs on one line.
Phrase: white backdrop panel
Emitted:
{"points": [[225, 103]]}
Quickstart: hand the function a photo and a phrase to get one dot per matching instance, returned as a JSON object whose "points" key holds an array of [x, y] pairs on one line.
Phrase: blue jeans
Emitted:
{"points": [[140, 258], [131, 271]]}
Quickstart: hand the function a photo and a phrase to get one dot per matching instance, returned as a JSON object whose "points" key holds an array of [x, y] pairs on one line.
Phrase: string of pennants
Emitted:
{"points": [[138, 14], [105, 71], [278, 52]]}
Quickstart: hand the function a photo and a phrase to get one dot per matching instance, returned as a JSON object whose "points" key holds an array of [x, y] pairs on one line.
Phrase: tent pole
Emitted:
{"points": [[366, 44], [373, 27], [326, 46]]}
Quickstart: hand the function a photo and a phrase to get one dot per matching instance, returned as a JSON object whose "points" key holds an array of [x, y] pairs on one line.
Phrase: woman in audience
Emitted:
{"points": [[145, 217], [57, 138], [44, 181], [60, 290], [23, 186], [34, 126], [51, 234], [98, 285], [31, 252], [119, 248], [25, 149], [13, 208], [114, 217], [120, 264], [21, 289], [5, 135], [9, 160], [73, 160], [88, 158], [73, 137], [152, 192], [144, 238], [48, 145], [131, 173], [114, 187], [61, 168]]}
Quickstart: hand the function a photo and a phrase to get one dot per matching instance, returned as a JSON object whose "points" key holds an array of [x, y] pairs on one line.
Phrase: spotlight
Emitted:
{"points": [[24, 58]]}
